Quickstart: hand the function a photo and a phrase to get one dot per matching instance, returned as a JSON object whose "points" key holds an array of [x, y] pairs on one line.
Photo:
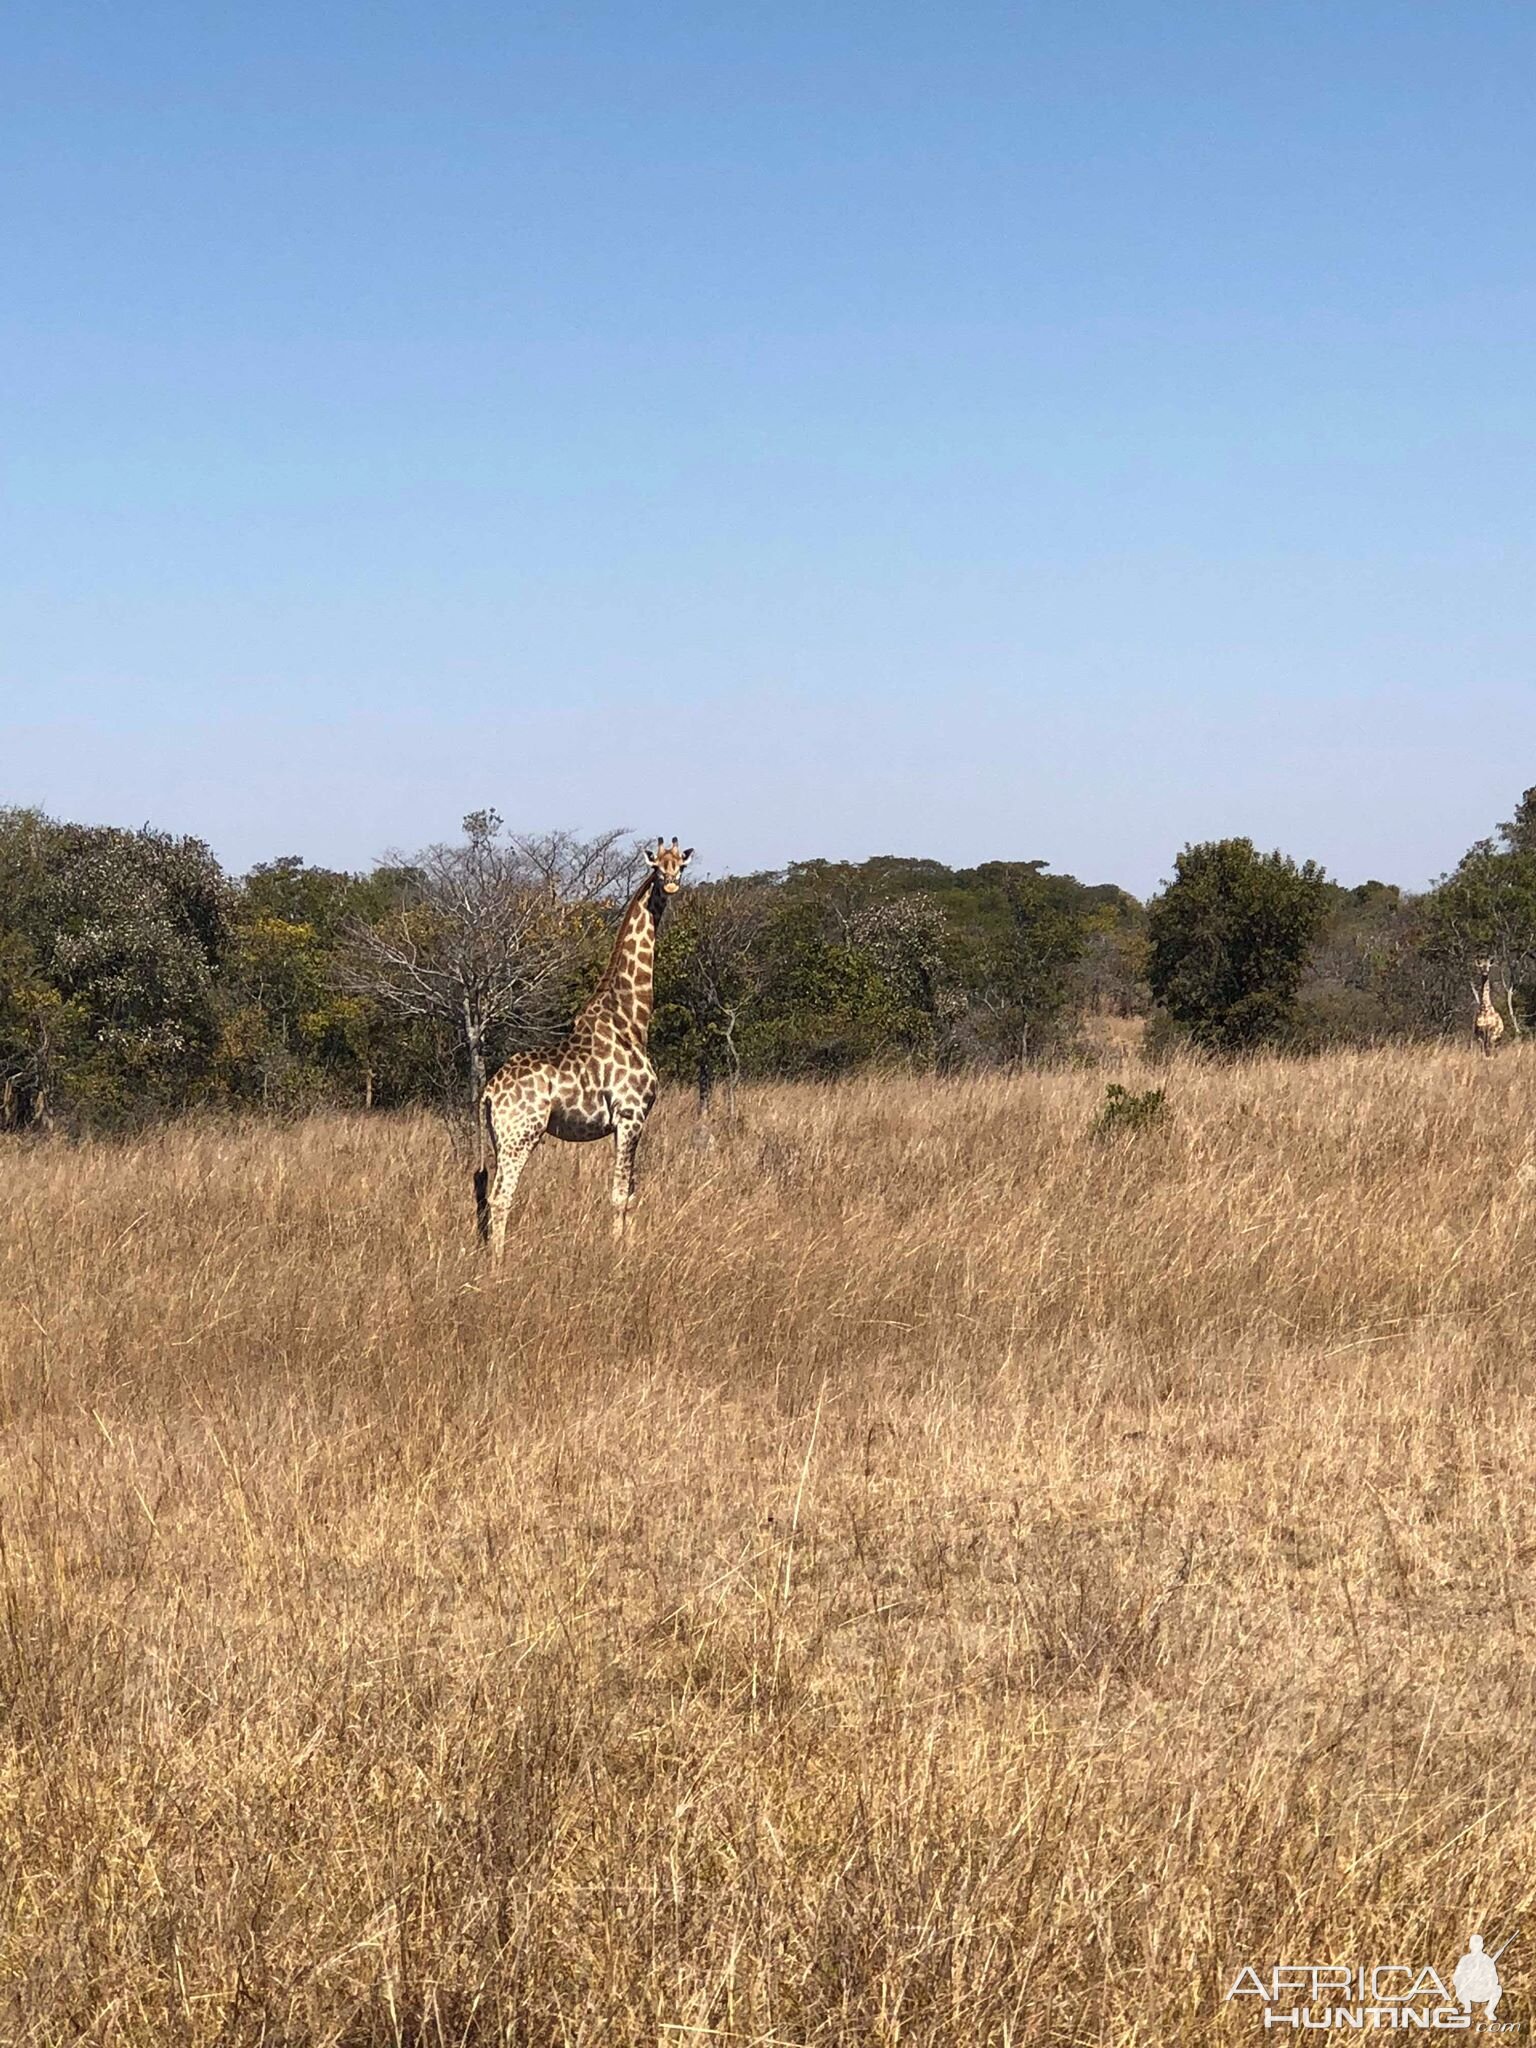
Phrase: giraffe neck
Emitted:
{"points": [[625, 992], [1484, 1000]]}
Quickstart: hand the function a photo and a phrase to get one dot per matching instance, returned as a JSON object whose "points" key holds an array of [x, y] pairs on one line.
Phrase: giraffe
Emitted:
{"points": [[1489, 1027], [599, 1083]]}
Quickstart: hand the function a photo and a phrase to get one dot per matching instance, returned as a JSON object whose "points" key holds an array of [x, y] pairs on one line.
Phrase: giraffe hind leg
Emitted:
{"points": [[483, 1173], [493, 1202]]}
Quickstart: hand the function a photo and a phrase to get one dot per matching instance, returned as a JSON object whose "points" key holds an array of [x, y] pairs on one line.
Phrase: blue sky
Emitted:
{"points": [[1054, 431]]}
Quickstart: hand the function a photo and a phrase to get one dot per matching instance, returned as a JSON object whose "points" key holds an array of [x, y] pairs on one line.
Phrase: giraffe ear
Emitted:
{"points": [[687, 853]]}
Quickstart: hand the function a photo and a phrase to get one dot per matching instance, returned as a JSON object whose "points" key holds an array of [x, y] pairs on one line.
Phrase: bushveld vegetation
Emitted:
{"points": [[950, 1580], [137, 980]]}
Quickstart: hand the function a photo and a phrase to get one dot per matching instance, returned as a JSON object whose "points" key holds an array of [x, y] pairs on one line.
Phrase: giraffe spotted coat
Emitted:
{"points": [[600, 1083]]}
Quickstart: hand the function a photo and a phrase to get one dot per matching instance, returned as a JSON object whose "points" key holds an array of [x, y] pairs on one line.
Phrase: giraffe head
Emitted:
{"points": [[667, 863]]}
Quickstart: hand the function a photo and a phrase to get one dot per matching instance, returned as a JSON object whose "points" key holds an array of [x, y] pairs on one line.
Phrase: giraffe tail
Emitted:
{"points": [[483, 1179]]}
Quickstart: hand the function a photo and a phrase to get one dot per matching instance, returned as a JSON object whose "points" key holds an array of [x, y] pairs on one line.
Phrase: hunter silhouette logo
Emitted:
{"points": [[1354, 1997], [1476, 1978]]}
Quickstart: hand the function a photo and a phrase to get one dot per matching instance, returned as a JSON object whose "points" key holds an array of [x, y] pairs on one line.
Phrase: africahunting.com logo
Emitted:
{"points": [[1353, 1997]]}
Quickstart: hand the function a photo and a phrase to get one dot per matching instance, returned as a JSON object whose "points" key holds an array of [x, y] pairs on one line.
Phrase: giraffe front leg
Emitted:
{"points": [[512, 1157], [626, 1143]]}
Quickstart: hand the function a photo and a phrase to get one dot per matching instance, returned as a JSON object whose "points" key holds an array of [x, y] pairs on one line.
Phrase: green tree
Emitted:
{"points": [[706, 981], [909, 940], [290, 1033], [823, 1007], [1028, 986], [1519, 832], [40, 1034], [39, 1031], [1228, 942], [1360, 984], [1486, 909], [987, 963], [115, 941]]}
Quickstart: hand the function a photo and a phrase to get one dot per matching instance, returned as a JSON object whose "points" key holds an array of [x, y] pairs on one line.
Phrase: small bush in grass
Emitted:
{"points": [[1124, 1111]]}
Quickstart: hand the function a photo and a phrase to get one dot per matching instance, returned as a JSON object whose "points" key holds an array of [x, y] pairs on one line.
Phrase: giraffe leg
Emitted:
{"points": [[512, 1156], [626, 1143]]}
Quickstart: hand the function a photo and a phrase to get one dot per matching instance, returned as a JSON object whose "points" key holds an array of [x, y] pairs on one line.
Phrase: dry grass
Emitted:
{"points": [[951, 1581]]}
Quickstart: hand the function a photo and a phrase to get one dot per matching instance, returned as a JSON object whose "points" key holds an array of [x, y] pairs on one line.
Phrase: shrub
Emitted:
{"points": [[1124, 1111]]}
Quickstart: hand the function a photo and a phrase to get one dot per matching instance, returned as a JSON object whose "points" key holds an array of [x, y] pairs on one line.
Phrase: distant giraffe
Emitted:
{"points": [[1489, 1027], [600, 1083]]}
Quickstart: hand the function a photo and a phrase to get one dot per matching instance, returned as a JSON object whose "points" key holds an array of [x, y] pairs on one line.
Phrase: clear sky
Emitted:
{"points": [[985, 431]]}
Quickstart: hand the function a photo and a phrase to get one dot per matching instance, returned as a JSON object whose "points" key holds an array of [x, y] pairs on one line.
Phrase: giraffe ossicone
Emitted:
{"points": [[599, 1083]]}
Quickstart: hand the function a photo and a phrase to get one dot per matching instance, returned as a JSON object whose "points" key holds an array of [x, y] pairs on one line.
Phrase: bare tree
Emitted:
{"points": [[572, 870], [486, 935]]}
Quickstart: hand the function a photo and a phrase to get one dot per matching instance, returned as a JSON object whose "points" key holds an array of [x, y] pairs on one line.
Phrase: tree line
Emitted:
{"points": [[137, 979]]}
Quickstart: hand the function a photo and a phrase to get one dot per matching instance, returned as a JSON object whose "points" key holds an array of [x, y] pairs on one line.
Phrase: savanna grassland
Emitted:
{"points": [[952, 1579]]}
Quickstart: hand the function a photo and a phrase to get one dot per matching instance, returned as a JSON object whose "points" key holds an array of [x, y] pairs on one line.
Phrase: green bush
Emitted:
{"points": [[1124, 1113]]}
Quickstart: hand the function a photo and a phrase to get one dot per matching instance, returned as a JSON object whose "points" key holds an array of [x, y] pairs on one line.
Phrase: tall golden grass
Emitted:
{"points": [[950, 1579]]}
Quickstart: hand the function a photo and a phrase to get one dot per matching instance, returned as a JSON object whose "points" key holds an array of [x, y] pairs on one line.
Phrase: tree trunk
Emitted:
{"points": [[1509, 1004], [42, 1107], [732, 1066], [474, 1039], [706, 1084]]}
